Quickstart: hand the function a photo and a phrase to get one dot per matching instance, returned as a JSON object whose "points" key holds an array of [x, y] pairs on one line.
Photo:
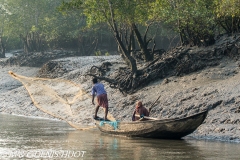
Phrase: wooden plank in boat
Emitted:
{"points": [[147, 118]]}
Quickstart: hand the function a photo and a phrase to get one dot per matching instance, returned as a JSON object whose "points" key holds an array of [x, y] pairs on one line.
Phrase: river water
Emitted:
{"points": [[33, 138]]}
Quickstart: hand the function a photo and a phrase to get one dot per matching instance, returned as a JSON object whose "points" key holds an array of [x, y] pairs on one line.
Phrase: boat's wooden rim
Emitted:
{"points": [[162, 120]]}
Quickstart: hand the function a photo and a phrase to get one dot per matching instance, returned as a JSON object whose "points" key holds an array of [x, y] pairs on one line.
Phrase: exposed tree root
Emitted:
{"points": [[177, 62]]}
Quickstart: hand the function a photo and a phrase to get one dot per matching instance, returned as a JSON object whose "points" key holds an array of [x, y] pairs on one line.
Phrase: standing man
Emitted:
{"points": [[102, 100]]}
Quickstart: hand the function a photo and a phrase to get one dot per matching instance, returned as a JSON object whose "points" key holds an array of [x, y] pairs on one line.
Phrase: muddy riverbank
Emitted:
{"points": [[216, 88]]}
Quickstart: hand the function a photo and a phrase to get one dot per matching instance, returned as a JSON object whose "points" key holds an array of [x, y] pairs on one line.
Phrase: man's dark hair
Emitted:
{"points": [[94, 80]]}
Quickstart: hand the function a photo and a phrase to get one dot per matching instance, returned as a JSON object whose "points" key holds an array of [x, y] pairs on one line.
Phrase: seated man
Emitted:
{"points": [[139, 110]]}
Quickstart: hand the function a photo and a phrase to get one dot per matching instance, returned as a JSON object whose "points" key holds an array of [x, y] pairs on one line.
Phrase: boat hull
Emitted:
{"points": [[164, 129]]}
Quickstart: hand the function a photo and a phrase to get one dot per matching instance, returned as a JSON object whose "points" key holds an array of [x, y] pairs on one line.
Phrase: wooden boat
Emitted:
{"points": [[174, 128]]}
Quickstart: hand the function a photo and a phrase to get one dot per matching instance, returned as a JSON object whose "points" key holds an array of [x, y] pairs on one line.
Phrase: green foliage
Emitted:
{"points": [[107, 54], [87, 18], [228, 14], [98, 11], [192, 18], [227, 8], [24, 16], [98, 53]]}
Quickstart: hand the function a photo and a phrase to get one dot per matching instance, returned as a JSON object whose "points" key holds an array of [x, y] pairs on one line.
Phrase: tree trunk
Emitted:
{"points": [[81, 46], [32, 42], [3, 48], [133, 46], [128, 58], [142, 44]]}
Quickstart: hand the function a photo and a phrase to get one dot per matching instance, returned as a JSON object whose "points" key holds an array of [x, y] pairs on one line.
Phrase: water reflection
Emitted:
{"points": [[27, 134], [108, 147]]}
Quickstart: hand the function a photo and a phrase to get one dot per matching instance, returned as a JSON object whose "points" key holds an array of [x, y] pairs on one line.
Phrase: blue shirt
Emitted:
{"points": [[98, 89]]}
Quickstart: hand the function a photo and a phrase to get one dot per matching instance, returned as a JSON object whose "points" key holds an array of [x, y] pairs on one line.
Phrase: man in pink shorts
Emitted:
{"points": [[102, 100]]}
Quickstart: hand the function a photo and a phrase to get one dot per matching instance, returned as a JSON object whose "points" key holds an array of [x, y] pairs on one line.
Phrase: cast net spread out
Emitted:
{"points": [[59, 98]]}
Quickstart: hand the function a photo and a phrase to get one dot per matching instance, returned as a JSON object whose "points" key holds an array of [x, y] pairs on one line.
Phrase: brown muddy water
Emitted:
{"points": [[33, 138]]}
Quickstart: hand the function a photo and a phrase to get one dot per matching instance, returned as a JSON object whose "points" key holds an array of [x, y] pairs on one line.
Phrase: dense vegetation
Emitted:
{"points": [[88, 24], [37, 25]]}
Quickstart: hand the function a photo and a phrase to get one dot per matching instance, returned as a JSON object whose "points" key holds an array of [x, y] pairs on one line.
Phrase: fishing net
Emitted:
{"points": [[114, 124], [59, 98]]}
